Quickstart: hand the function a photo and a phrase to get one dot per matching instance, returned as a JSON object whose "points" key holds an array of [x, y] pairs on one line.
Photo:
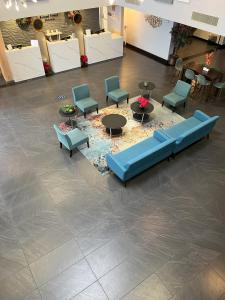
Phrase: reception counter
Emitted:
{"points": [[103, 46], [25, 63], [64, 55]]}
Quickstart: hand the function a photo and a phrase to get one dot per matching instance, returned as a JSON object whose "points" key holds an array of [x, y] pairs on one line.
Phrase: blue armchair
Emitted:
{"points": [[82, 99], [113, 90], [179, 95], [71, 139]]}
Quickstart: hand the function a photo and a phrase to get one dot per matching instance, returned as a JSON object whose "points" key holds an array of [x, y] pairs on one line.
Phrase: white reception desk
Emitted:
{"points": [[64, 55], [25, 63], [103, 46]]}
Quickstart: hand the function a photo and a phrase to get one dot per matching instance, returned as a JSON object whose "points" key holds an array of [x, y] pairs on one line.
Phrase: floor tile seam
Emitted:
{"points": [[95, 275], [76, 294], [141, 283], [73, 239], [55, 276], [192, 278]]}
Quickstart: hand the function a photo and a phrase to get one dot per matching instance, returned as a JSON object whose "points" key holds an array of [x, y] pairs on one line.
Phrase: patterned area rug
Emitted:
{"points": [[133, 132]]}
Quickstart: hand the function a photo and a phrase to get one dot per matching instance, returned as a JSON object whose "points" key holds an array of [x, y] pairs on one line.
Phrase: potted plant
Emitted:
{"points": [[181, 36], [84, 61]]}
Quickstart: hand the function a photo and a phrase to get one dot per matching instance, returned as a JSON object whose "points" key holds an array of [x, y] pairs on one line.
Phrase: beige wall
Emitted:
{"points": [[4, 65]]}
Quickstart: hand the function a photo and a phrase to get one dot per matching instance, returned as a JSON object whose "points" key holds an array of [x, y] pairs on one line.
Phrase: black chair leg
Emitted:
{"points": [[162, 103], [107, 98], [127, 100], [71, 153], [97, 110], [207, 136], [85, 114], [117, 105], [184, 104], [88, 144], [60, 145]]}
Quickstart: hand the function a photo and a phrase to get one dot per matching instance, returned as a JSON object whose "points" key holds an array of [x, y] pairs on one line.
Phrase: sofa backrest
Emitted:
{"points": [[152, 156], [112, 83], [80, 92], [196, 133], [62, 137], [182, 88]]}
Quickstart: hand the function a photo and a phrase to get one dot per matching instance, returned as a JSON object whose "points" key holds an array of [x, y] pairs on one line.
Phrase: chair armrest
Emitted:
{"points": [[201, 115], [161, 135], [112, 159]]}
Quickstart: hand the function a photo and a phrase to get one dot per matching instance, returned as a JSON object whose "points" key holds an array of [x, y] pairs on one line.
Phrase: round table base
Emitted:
{"points": [[141, 118], [71, 123], [117, 131]]}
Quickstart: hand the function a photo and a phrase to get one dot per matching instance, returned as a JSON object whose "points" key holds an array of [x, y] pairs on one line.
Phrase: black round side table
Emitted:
{"points": [[141, 114], [146, 88], [68, 115]]}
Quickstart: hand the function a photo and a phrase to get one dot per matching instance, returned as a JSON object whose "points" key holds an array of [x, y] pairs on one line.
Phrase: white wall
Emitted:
{"points": [[182, 12], [115, 19], [48, 6], [141, 34]]}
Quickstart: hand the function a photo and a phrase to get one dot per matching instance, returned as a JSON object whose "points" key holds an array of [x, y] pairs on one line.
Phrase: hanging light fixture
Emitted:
{"points": [[17, 4]]}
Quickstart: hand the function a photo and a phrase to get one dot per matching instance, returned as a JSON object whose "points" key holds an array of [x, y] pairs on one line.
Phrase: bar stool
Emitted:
{"points": [[202, 83], [220, 86], [178, 69]]}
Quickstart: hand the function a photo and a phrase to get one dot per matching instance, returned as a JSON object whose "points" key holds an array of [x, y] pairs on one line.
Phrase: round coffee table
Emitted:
{"points": [[114, 123], [141, 114], [68, 115], [146, 88]]}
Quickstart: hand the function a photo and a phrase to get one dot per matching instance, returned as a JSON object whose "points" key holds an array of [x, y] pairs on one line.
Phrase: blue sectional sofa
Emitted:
{"points": [[136, 159], [191, 130], [164, 143]]}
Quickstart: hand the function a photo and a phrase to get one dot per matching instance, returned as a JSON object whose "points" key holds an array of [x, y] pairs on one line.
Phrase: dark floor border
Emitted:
{"points": [[148, 54]]}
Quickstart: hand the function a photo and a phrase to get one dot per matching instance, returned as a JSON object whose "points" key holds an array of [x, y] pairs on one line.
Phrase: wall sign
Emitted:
{"points": [[135, 2]]}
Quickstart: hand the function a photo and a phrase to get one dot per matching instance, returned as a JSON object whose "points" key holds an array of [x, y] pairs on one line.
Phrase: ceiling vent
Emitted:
{"points": [[211, 20]]}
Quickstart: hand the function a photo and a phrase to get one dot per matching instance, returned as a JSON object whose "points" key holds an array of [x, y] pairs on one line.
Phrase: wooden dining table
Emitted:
{"points": [[212, 75]]}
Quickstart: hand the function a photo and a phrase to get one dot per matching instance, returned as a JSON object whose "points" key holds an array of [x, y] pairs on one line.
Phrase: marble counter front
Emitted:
{"points": [[64, 55], [103, 46], [25, 63]]}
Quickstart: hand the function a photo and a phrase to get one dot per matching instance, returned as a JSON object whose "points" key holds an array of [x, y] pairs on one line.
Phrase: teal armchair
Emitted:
{"points": [[113, 90], [72, 139], [220, 86], [82, 99], [179, 95]]}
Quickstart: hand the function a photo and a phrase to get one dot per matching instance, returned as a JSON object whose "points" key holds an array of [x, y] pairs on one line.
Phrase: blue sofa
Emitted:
{"points": [[191, 130], [136, 159]]}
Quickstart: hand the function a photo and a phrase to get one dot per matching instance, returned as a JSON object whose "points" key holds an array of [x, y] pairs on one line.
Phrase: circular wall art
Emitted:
{"points": [[23, 23], [37, 24], [153, 21], [77, 18]]}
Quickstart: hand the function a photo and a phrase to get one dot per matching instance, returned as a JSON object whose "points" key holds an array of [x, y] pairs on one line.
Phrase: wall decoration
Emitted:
{"points": [[74, 16], [38, 24], [136, 2], [23, 23], [153, 21], [50, 17], [185, 1]]}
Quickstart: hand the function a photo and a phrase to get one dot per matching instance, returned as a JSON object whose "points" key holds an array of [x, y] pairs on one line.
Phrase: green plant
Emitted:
{"points": [[68, 108], [181, 36]]}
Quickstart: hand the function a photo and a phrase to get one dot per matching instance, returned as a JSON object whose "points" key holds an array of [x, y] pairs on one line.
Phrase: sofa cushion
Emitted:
{"points": [[183, 126], [118, 95], [86, 104], [173, 99], [136, 150]]}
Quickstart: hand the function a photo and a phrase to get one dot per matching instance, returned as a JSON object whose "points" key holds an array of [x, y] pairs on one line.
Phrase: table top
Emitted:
{"points": [[212, 74], [146, 85], [69, 114], [114, 121], [135, 106]]}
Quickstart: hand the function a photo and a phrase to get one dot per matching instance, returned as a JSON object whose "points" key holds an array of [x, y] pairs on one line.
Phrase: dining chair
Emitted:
{"points": [[71, 139], [202, 84], [113, 90], [189, 76], [220, 86], [82, 99]]}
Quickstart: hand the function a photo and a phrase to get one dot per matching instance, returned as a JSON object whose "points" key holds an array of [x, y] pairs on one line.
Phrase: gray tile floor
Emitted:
{"points": [[66, 232]]}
